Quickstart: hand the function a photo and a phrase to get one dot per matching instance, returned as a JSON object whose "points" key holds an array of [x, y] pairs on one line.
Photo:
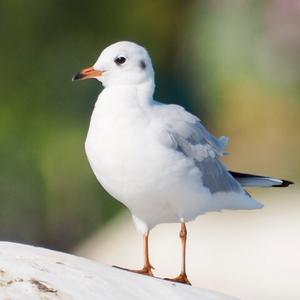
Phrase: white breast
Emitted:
{"points": [[120, 146], [133, 164]]}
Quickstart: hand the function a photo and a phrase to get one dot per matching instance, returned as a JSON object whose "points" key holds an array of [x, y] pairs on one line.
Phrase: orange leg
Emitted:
{"points": [[182, 277], [147, 269]]}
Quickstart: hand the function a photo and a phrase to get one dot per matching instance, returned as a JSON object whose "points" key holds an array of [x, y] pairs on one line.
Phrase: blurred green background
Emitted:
{"points": [[233, 63]]}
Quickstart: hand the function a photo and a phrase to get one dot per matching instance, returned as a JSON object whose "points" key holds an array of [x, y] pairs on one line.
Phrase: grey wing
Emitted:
{"points": [[192, 139], [214, 174], [219, 144]]}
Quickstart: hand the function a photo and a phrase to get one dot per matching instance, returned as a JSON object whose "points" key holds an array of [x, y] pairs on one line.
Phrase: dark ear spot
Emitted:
{"points": [[142, 64]]}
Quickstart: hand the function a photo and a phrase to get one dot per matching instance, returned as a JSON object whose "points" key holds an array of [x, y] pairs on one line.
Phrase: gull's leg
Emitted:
{"points": [[147, 269], [147, 266], [182, 277]]}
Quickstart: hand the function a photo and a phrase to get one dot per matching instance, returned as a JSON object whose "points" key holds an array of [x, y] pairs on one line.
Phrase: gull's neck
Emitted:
{"points": [[141, 94], [145, 92]]}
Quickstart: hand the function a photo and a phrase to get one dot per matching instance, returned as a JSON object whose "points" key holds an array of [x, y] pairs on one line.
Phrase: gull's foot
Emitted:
{"points": [[144, 271], [182, 278]]}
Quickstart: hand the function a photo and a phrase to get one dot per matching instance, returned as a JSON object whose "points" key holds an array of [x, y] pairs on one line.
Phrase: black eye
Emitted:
{"points": [[120, 60]]}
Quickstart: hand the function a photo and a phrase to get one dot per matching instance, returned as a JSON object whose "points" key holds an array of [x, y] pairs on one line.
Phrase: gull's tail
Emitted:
{"points": [[258, 180]]}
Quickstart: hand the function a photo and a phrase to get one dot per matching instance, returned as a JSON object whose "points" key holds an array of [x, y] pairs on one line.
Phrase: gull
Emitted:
{"points": [[157, 159]]}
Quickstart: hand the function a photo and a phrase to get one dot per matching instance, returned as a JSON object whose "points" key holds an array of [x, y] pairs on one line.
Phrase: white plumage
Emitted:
{"points": [[156, 159]]}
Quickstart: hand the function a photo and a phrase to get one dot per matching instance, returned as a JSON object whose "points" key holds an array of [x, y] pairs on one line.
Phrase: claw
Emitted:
{"points": [[144, 271], [182, 278]]}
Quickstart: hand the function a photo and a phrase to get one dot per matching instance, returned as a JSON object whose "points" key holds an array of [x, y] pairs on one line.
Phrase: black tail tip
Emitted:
{"points": [[284, 183]]}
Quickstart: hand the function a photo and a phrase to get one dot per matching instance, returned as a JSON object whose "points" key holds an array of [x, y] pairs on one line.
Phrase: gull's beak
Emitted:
{"points": [[87, 73]]}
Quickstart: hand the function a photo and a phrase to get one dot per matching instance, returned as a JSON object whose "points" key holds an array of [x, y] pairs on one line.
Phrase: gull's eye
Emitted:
{"points": [[120, 60]]}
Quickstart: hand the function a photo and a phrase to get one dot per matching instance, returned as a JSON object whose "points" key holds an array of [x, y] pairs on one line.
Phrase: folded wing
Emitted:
{"points": [[192, 139]]}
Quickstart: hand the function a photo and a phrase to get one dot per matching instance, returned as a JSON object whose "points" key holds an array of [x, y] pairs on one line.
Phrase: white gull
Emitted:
{"points": [[157, 159]]}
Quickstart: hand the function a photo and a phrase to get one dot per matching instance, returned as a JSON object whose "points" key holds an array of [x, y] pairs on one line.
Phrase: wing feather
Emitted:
{"points": [[192, 139], [189, 127]]}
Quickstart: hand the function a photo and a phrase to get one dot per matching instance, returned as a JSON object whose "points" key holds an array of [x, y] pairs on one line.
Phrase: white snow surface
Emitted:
{"points": [[31, 273]]}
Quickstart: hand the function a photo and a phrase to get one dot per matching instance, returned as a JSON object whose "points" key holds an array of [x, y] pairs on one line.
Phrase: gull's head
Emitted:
{"points": [[122, 63]]}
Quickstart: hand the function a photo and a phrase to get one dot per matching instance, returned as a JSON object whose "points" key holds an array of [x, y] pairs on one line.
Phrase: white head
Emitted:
{"points": [[122, 63]]}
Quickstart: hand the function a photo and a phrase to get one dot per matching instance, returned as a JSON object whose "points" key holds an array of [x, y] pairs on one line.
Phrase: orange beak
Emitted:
{"points": [[87, 73]]}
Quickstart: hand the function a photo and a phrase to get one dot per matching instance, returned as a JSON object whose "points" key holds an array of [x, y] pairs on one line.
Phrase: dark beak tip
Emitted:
{"points": [[78, 76]]}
